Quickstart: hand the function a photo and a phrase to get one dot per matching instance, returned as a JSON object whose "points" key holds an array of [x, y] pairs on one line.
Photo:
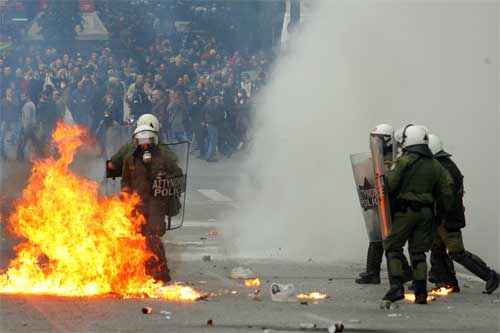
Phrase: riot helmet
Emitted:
{"points": [[414, 135], [149, 120]]}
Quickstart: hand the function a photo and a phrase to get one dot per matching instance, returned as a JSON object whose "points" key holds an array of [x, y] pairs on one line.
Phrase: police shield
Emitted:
{"points": [[364, 177], [173, 187], [380, 157]]}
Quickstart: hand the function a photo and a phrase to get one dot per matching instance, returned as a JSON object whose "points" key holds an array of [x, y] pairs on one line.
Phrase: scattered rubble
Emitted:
{"points": [[242, 273], [282, 292], [147, 310], [207, 258]]}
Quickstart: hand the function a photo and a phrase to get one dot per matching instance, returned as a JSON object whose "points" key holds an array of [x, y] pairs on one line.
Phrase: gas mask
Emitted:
{"points": [[146, 157]]}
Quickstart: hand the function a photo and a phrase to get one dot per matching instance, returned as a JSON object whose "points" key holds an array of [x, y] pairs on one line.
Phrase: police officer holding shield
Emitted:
{"points": [[375, 248], [449, 235], [414, 186], [152, 171]]}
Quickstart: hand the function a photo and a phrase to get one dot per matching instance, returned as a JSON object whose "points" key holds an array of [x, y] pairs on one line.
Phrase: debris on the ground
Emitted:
{"points": [[167, 314], [252, 282], [256, 296], [336, 327], [242, 273], [207, 258], [495, 301], [394, 315], [307, 326], [330, 279], [282, 292], [210, 322], [304, 303], [147, 310], [314, 296], [466, 285], [213, 233], [354, 321], [203, 238], [388, 305], [202, 282], [450, 307]]}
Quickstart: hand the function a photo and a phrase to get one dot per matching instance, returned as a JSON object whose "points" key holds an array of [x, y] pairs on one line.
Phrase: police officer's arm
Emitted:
{"points": [[447, 198], [394, 177], [126, 176], [117, 159]]}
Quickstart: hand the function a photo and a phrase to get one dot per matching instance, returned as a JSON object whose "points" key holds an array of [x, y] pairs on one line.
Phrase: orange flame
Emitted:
{"points": [[443, 291], [77, 243], [314, 296], [411, 297], [252, 282]]}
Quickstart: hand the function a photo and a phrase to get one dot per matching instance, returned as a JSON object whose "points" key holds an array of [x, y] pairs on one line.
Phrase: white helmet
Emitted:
{"points": [[149, 120], [435, 144], [400, 133], [414, 135], [145, 134], [382, 129]]}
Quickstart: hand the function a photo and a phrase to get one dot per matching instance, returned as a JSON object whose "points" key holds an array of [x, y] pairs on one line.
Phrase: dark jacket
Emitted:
{"points": [[140, 178], [454, 219]]}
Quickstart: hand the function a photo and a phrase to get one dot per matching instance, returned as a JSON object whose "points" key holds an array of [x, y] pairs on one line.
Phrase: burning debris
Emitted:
{"points": [[411, 297], [316, 296], [252, 282], [75, 242], [443, 291]]}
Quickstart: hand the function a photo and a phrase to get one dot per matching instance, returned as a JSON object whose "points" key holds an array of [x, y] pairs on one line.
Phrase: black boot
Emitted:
{"points": [[442, 270], [420, 291], [479, 268], [395, 293], [493, 282], [373, 262]]}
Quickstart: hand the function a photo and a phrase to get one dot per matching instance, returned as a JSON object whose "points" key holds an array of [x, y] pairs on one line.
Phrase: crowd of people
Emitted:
{"points": [[199, 87]]}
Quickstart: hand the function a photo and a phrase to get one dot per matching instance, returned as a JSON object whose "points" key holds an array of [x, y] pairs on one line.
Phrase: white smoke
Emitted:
{"points": [[357, 64]]}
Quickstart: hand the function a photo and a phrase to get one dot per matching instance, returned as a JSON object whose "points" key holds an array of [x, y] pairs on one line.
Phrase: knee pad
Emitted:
{"points": [[417, 258]]}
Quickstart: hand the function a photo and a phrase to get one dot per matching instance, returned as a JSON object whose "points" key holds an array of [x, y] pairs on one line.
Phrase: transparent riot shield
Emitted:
{"points": [[175, 186], [379, 168], [113, 138], [364, 177]]}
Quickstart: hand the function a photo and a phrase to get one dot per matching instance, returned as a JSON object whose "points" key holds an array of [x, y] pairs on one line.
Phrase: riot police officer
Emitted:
{"points": [[414, 185], [375, 248], [114, 165], [449, 235], [148, 170]]}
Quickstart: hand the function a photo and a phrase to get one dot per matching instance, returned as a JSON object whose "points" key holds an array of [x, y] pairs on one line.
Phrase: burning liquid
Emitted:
{"points": [[411, 297], [441, 291], [77, 243], [314, 296], [252, 282]]}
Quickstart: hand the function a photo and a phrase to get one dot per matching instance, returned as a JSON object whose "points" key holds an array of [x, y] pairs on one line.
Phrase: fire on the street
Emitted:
{"points": [[252, 282], [411, 297], [443, 291], [76, 243], [314, 296]]}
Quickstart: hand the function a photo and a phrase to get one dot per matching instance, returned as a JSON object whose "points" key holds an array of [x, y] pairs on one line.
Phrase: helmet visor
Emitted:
{"points": [[145, 137]]}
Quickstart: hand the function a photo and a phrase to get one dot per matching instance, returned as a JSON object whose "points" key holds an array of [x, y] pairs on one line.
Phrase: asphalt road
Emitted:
{"points": [[233, 307]]}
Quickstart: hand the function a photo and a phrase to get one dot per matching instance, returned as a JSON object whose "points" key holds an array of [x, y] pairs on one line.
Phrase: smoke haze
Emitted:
{"points": [[357, 64]]}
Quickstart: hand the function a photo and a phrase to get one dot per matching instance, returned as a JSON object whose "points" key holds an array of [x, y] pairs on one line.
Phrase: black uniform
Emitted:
{"points": [[449, 237]]}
